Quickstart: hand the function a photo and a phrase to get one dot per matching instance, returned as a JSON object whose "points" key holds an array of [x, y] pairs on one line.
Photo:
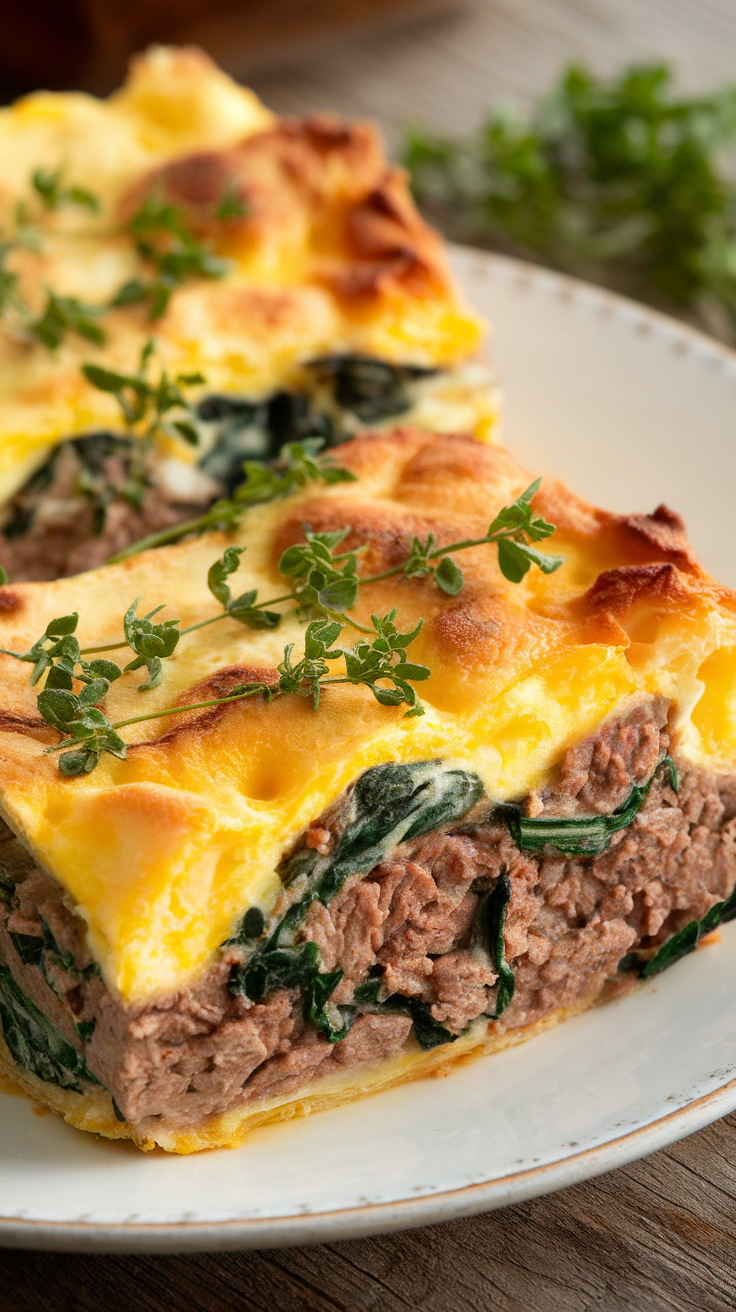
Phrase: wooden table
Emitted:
{"points": [[657, 1235]]}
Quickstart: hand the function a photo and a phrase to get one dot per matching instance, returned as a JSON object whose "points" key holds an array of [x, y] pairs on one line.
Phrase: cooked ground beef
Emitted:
{"points": [[89, 502], [409, 921]]}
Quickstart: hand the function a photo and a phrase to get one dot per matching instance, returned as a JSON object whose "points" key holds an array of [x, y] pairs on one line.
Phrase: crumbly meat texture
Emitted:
{"points": [[569, 923], [63, 532]]}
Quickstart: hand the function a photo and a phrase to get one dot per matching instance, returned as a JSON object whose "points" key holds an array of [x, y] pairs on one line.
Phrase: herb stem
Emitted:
{"points": [[161, 538], [226, 614], [194, 706], [441, 551], [110, 646]]}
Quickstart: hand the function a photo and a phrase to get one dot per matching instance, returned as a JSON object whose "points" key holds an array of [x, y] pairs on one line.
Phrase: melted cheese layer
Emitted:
{"points": [[163, 852]]}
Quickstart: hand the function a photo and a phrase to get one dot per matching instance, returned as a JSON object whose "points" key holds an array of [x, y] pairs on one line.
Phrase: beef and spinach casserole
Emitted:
{"points": [[384, 784]]}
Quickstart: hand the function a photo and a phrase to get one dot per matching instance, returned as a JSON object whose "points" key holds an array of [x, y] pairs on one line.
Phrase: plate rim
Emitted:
{"points": [[571, 288], [366, 1219]]}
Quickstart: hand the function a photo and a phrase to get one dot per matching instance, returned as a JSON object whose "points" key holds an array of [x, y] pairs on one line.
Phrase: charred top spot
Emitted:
{"points": [[31, 726], [617, 590], [10, 601], [664, 531], [465, 630], [219, 684]]}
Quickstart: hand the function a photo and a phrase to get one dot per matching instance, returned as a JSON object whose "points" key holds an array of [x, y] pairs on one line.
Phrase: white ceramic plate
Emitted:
{"points": [[630, 409]]}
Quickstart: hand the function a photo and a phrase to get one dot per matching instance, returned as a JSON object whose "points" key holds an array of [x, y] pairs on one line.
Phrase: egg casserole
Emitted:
{"points": [[266, 906], [278, 268]]}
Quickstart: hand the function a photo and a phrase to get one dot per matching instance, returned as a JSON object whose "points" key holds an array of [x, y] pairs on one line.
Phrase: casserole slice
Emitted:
{"points": [[256, 281], [252, 908]]}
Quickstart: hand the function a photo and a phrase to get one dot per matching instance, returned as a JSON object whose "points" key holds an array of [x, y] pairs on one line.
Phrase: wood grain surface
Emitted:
{"points": [[656, 1236]]}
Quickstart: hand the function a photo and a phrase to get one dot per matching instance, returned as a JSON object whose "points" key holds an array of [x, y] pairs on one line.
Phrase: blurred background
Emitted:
{"points": [[437, 62], [596, 136]]}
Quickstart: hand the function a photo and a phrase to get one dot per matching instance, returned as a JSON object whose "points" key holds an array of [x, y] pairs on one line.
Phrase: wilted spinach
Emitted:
{"points": [[575, 836], [34, 1042], [390, 804]]}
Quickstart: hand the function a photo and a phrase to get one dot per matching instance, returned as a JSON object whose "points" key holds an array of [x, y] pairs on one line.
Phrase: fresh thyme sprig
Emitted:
{"points": [[48, 185], [326, 586], [87, 732], [297, 465], [620, 180], [57, 653], [164, 241], [231, 205], [144, 404], [60, 313], [330, 582], [64, 313]]}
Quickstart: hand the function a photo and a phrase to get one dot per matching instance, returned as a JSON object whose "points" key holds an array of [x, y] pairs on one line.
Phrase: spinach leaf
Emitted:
{"points": [[316, 997], [34, 950], [35, 1044], [368, 992], [272, 968], [587, 836], [428, 1031], [389, 804], [491, 920], [687, 938], [367, 387], [393, 804], [29, 948]]}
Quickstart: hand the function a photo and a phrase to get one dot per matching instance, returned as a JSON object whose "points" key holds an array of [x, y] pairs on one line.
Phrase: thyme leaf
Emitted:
{"points": [[514, 530], [232, 205], [151, 643], [165, 242], [146, 405], [48, 186], [62, 314], [299, 464]]}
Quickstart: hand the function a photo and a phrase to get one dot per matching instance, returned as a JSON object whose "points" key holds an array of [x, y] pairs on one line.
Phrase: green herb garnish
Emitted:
{"points": [[64, 313], [146, 405], [48, 186], [231, 205], [297, 465], [61, 313], [577, 836], [621, 181], [325, 585], [165, 242]]}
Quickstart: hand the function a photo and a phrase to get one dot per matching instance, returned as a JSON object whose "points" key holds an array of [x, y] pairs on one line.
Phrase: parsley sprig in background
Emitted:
{"points": [[621, 181]]}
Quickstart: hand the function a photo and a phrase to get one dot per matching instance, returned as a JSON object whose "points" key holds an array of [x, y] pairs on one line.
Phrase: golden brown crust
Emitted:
{"points": [[319, 182]]}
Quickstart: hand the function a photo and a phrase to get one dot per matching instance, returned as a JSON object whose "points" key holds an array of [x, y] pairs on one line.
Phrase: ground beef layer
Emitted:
{"points": [[78, 512], [410, 922]]}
